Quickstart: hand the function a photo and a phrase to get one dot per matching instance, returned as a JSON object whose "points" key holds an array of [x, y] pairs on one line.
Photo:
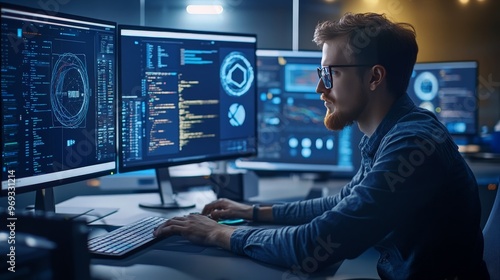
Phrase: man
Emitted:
{"points": [[414, 198]]}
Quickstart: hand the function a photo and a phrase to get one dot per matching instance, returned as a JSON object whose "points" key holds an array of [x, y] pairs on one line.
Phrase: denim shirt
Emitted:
{"points": [[413, 198]]}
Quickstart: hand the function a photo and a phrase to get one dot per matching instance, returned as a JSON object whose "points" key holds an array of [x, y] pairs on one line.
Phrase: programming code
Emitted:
{"points": [[176, 103], [57, 93]]}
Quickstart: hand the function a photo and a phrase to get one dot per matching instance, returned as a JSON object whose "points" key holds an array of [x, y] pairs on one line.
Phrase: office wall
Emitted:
{"points": [[271, 20], [310, 14]]}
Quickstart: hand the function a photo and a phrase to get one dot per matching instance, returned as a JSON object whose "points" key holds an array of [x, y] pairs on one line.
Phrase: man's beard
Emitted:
{"points": [[337, 120]]}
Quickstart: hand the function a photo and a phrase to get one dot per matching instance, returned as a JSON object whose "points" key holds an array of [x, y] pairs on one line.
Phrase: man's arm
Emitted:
{"points": [[291, 213], [387, 196], [301, 212]]}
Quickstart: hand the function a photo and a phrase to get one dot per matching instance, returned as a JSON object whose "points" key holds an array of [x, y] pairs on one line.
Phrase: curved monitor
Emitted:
{"points": [[292, 136], [58, 99], [449, 89], [185, 97]]}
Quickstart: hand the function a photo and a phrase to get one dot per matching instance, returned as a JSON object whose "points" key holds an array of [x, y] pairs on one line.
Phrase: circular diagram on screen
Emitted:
{"points": [[236, 114], [69, 90], [319, 143], [293, 142], [426, 86], [236, 74]]}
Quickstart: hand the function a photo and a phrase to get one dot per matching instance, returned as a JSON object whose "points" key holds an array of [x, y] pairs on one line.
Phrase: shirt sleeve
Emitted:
{"points": [[402, 180], [301, 212]]}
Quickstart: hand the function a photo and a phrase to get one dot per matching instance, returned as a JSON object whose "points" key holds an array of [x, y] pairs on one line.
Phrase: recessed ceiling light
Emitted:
{"points": [[204, 9]]}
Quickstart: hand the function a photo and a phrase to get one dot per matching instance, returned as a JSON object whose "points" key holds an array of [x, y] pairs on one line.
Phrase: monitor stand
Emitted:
{"points": [[45, 202], [167, 196]]}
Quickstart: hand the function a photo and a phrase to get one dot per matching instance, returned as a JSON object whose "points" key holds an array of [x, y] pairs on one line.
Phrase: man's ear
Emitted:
{"points": [[378, 74]]}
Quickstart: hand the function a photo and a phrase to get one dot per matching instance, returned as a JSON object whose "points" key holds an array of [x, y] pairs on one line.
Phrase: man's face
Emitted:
{"points": [[347, 98]]}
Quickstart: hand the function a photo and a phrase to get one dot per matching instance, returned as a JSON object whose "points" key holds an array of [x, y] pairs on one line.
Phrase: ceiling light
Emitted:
{"points": [[204, 9]]}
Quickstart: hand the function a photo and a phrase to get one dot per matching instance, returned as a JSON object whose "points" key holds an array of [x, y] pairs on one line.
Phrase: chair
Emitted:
{"points": [[491, 233]]}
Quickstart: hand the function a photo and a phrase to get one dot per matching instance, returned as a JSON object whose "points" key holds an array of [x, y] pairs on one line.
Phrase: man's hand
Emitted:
{"points": [[198, 229], [223, 208]]}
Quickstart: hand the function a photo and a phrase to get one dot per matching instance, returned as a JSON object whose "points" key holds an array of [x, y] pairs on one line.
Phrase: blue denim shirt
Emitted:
{"points": [[414, 199]]}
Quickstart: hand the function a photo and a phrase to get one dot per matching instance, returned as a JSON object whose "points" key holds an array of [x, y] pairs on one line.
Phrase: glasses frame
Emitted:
{"points": [[325, 72]]}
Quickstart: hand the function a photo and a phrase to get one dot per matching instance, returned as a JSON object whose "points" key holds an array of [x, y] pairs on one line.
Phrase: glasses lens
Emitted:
{"points": [[326, 77]]}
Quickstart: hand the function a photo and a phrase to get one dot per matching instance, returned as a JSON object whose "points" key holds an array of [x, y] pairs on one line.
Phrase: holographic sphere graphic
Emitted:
{"points": [[236, 74], [69, 90]]}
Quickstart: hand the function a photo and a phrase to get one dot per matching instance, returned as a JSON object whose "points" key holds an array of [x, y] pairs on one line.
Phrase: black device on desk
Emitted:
{"points": [[58, 103], [66, 256]]}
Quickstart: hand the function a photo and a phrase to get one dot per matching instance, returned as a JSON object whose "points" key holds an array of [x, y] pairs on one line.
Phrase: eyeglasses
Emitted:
{"points": [[325, 72]]}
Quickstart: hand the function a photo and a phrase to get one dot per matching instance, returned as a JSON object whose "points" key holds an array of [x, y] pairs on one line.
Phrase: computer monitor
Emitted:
{"points": [[292, 135], [185, 97], [449, 89], [58, 101]]}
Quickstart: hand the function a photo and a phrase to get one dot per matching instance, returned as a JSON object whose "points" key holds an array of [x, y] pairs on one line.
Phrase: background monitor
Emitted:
{"points": [[292, 135], [185, 97], [58, 100], [449, 90]]}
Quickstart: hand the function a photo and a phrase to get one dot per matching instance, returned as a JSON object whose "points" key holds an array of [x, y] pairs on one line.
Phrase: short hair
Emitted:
{"points": [[372, 38]]}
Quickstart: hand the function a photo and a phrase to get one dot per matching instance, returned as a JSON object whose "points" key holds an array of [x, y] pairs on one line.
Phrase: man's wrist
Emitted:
{"points": [[223, 237]]}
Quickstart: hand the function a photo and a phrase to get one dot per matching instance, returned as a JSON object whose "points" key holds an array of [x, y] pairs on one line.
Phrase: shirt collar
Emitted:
{"points": [[401, 107]]}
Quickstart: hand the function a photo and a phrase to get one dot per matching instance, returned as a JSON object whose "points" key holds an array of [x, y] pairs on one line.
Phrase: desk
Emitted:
{"points": [[176, 258]]}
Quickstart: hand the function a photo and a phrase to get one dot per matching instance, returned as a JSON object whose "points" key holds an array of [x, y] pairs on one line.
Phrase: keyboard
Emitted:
{"points": [[126, 239]]}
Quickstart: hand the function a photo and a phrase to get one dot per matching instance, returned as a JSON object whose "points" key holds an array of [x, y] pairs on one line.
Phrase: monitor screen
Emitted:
{"points": [[449, 90], [58, 98], [185, 96], [292, 135]]}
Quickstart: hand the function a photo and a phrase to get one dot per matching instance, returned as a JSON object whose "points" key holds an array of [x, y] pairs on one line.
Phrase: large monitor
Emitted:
{"points": [[449, 90], [292, 135], [185, 97], [58, 100]]}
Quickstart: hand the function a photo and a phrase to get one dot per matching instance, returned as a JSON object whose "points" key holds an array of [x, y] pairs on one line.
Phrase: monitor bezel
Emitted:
{"points": [[476, 93], [97, 169], [163, 164]]}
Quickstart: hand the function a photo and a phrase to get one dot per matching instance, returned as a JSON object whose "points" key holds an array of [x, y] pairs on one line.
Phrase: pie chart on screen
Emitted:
{"points": [[236, 114]]}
